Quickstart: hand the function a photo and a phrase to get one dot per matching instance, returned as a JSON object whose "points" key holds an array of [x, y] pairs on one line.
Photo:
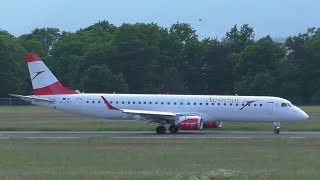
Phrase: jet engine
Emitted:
{"points": [[189, 123]]}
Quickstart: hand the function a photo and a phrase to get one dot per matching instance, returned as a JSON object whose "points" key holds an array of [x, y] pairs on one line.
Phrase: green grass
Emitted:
{"points": [[33, 118], [120, 158]]}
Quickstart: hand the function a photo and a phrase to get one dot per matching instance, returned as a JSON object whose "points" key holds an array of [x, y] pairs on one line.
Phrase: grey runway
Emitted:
{"points": [[147, 134]]}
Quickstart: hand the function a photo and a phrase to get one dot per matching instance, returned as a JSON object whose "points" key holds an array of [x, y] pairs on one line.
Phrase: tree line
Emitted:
{"points": [[147, 58]]}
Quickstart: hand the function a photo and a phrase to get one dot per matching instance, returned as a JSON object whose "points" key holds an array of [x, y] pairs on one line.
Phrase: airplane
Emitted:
{"points": [[180, 112]]}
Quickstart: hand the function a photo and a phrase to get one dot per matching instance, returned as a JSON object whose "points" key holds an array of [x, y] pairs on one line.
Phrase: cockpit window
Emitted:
{"points": [[284, 105], [289, 104]]}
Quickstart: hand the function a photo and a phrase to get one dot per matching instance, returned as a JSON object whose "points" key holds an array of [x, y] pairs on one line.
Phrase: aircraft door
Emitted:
{"points": [[270, 107], [78, 104]]}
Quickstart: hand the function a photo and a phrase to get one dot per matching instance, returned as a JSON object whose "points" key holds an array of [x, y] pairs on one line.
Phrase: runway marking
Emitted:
{"points": [[144, 134]]}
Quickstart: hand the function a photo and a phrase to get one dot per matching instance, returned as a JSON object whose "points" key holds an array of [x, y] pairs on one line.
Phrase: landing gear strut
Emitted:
{"points": [[173, 129], [276, 127], [161, 130]]}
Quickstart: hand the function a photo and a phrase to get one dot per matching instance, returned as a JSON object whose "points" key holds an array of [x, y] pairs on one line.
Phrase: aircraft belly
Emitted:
{"points": [[245, 117]]}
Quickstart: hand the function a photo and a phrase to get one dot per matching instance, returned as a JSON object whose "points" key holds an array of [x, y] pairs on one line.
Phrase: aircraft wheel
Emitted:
{"points": [[161, 130], [173, 129], [276, 131]]}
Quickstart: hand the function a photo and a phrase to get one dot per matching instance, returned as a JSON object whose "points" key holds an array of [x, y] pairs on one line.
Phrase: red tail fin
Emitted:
{"points": [[43, 81]]}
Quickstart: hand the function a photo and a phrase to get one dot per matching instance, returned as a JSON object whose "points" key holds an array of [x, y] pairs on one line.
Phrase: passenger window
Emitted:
{"points": [[110, 102], [117, 102], [139, 102], [200, 104], [194, 103], [87, 101], [212, 104], [207, 104], [133, 102], [237, 104], [188, 103], [144, 102], [122, 102], [156, 102], [260, 104], [128, 102], [230, 104], [168, 103], [181, 103], [161, 102], [92, 101], [218, 104], [174, 103], [150, 102]]}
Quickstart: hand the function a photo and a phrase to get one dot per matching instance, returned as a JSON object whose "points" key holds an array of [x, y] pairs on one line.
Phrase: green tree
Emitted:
{"points": [[13, 70], [41, 40], [100, 79], [255, 68], [304, 53], [184, 31], [73, 52], [218, 69], [239, 39]]}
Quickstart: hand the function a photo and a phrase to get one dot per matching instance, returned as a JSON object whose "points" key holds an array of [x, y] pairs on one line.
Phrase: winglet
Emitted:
{"points": [[108, 104]]}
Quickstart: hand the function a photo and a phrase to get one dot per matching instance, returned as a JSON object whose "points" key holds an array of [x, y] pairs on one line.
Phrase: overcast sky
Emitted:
{"points": [[278, 18]]}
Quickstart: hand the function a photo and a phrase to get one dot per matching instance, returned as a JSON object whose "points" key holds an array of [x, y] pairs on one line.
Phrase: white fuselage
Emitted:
{"points": [[209, 107]]}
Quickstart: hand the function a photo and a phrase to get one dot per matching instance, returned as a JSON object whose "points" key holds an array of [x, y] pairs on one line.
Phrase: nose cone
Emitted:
{"points": [[302, 115], [305, 116]]}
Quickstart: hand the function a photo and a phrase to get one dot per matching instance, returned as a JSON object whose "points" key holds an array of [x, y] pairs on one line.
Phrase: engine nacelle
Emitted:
{"points": [[189, 123], [213, 124]]}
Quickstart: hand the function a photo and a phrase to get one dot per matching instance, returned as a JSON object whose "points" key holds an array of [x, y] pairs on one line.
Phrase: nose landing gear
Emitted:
{"points": [[276, 126]]}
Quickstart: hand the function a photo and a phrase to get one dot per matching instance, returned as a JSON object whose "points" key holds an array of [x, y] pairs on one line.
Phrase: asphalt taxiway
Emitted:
{"points": [[147, 134]]}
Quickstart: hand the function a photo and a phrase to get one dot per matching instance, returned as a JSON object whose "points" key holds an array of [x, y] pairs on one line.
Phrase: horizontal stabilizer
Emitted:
{"points": [[30, 98]]}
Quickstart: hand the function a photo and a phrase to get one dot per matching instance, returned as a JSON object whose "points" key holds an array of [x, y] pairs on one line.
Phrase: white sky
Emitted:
{"points": [[278, 18]]}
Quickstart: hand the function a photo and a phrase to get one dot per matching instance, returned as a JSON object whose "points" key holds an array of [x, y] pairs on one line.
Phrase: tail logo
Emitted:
{"points": [[37, 74]]}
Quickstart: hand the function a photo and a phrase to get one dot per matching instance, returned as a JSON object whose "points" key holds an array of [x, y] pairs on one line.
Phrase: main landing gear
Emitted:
{"points": [[173, 129], [162, 129], [276, 126]]}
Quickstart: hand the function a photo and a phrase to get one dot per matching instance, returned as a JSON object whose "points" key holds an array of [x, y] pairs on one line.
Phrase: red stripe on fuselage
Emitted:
{"points": [[55, 88], [108, 104]]}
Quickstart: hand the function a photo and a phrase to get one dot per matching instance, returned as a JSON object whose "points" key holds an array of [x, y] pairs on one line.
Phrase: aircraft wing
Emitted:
{"points": [[30, 98], [151, 116], [146, 112]]}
